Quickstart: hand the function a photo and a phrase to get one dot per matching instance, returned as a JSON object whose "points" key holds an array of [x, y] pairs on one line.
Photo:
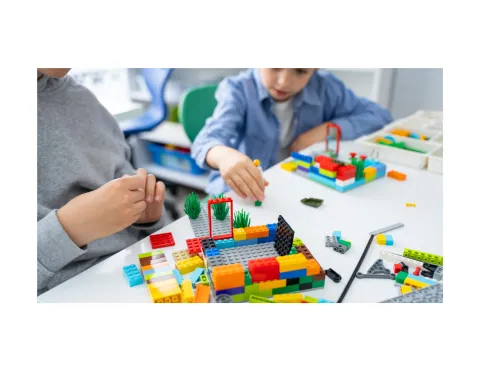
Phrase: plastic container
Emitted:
{"points": [[174, 159], [435, 161]]}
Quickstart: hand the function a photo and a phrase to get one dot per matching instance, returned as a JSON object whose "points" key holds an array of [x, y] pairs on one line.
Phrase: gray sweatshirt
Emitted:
{"points": [[80, 147]]}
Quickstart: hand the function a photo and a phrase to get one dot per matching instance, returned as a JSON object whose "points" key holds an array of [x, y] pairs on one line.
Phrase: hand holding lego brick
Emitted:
{"points": [[238, 171], [154, 196], [105, 211], [312, 136]]}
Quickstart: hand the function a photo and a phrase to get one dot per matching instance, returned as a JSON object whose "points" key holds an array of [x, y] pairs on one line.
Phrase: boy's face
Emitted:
{"points": [[53, 72], [284, 83]]}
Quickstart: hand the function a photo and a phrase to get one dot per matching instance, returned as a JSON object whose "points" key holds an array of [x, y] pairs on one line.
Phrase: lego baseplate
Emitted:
{"points": [[429, 294], [200, 225]]}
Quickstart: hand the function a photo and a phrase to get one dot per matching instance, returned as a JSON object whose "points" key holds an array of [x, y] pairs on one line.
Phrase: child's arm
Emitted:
{"points": [[214, 146], [354, 115]]}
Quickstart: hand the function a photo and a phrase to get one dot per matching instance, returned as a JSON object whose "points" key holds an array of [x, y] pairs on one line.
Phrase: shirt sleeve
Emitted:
{"points": [[225, 125], [354, 115]]}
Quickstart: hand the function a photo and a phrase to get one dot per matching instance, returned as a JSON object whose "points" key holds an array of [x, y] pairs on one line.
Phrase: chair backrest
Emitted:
{"points": [[195, 107], [156, 79]]}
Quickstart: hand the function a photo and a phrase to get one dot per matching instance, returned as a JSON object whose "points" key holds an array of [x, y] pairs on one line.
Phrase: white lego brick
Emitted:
{"points": [[395, 258], [344, 183]]}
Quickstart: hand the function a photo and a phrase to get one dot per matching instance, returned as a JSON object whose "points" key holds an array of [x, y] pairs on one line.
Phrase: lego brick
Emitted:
{"points": [[346, 172], [322, 300], [309, 299], [248, 277], [313, 267], [204, 280], [251, 289], [337, 235], [259, 299], [178, 276], [164, 277], [182, 255], [334, 276], [344, 183], [405, 289], [286, 289], [299, 157], [202, 294], [264, 269], [284, 237], [194, 245], [319, 277], [226, 243], [323, 180], [328, 174], [212, 253], [133, 275], [155, 266], [228, 276], [429, 294], [166, 294], [303, 164], [423, 257], [151, 254], [189, 265], [293, 251], [288, 298], [265, 293], [195, 276], [298, 242], [289, 166], [231, 291], [269, 285], [224, 298], [306, 286], [162, 240], [292, 281], [396, 175], [239, 298], [239, 234], [389, 240], [266, 239], [200, 226], [318, 284], [378, 268], [187, 292], [381, 239], [357, 183], [302, 168], [306, 279], [292, 263], [208, 243], [370, 172], [246, 242]]}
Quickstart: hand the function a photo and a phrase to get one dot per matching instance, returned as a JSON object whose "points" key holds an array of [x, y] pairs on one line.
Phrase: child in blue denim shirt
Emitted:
{"points": [[266, 114]]}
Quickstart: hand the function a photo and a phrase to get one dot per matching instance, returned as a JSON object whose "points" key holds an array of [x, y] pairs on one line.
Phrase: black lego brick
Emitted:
{"points": [[293, 281], [306, 286]]}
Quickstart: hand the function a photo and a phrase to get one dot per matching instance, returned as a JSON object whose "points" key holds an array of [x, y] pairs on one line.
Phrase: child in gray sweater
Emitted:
{"points": [[91, 203]]}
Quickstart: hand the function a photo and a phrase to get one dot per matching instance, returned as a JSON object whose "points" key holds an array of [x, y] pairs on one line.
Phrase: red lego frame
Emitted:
{"points": [[220, 201], [339, 135]]}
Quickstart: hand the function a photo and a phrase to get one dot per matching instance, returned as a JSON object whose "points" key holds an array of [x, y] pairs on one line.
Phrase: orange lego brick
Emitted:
{"points": [[202, 294], [270, 285], [228, 276], [313, 267], [400, 132], [292, 262], [396, 175], [262, 231]]}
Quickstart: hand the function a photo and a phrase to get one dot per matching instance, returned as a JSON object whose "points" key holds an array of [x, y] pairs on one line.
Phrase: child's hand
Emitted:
{"points": [[154, 195], [105, 211], [308, 138], [239, 172]]}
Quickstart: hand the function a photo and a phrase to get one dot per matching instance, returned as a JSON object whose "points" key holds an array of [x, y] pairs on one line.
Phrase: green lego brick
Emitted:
{"points": [[286, 289], [309, 299], [318, 284], [401, 276], [259, 299], [150, 253], [345, 243], [423, 257], [265, 293], [306, 279], [251, 289], [248, 278], [238, 298], [204, 280], [293, 251], [297, 242], [258, 203]]}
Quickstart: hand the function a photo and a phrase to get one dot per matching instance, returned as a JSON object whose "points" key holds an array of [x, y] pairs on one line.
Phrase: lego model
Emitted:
{"points": [[337, 244], [339, 175]]}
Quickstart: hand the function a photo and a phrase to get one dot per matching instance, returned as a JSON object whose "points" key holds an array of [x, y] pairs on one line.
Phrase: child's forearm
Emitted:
{"points": [[217, 153]]}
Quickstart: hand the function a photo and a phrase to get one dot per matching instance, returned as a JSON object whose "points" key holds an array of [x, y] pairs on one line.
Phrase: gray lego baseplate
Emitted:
{"points": [[429, 294], [200, 225], [242, 254], [378, 268]]}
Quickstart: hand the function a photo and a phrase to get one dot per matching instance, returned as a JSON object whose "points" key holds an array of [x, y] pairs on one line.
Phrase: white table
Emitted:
{"points": [[355, 213]]}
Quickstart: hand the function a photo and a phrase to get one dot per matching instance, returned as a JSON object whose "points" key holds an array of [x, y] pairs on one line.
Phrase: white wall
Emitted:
{"points": [[415, 89]]}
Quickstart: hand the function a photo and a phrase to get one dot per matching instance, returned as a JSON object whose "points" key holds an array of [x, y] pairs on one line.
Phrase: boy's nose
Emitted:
{"points": [[284, 79]]}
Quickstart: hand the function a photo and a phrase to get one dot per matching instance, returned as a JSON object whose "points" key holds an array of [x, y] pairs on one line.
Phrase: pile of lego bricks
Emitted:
{"points": [[290, 268], [336, 174]]}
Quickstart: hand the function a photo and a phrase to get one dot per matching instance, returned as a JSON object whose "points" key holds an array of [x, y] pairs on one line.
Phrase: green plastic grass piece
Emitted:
{"points": [[313, 202], [241, 219], [220, 210], [192, 206]]}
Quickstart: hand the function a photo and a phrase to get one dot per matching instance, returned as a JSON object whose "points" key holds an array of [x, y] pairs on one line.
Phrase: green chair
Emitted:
{"points": [[195, 107]]}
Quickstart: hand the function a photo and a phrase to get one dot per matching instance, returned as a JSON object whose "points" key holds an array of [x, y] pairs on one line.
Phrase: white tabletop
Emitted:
{"points": [[168, 133], [354, 213]]}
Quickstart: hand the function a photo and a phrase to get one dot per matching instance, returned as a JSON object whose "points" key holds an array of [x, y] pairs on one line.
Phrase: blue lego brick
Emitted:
{"points": [[178, 276], [321, 300], [266, 239], [252, 241], [212, 252], [368, 162], [298, 156], [421, 279], [226, 243], [381, 168], [293, 274], [234, 291], [415, 136], [337, 234], [195, 275], [301, 168], [314, 170], [133, 275], [389, 240], [323, 179]]}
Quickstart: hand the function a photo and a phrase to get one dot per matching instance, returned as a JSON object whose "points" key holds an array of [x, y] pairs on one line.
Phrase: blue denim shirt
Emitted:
{"points": [[243, 118]]}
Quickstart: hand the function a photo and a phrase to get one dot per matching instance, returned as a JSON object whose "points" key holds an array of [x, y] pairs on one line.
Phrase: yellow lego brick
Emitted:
{"points": [[292, 262], [187, 291], [270, 285], [404, 289], [309, 299], [288, 298], [289, 166], [414, 283], [328, 173], [189, 265], [369, 172], [369, 179], [410, 205], [381, 239], [239, 234], [165, 293], [303, 164]]}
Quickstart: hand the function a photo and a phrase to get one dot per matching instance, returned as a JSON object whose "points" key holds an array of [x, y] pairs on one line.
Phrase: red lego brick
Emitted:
{"points": [[416, 272], [162, 240], [346, 172], [265, 269], [220, 200], [397, 268], [194, 245], [327, 163]]}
